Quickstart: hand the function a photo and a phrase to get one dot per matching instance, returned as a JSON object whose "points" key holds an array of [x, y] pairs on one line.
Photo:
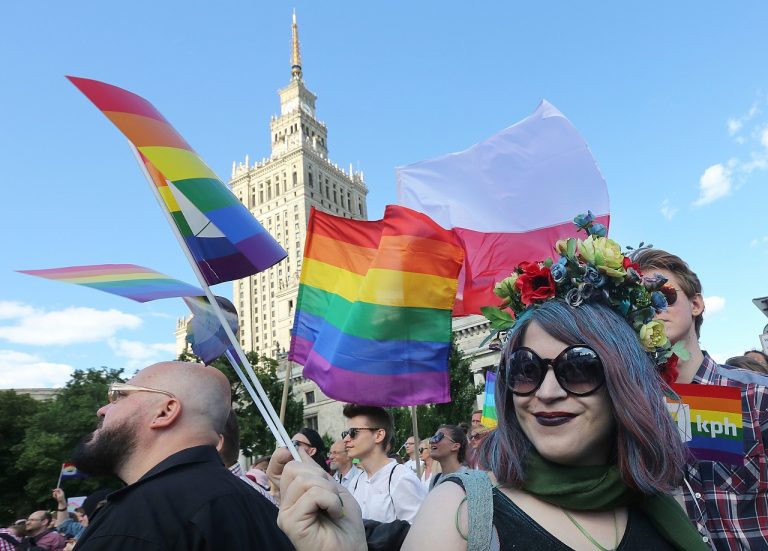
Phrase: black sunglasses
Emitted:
{"points": [[439, 436], [578, 370], [421, 450], [352, 433]]}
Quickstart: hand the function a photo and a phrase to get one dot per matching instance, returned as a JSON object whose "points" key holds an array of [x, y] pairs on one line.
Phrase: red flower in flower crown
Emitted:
{"points": [[670, 372], [535, 283], [627, 263]]}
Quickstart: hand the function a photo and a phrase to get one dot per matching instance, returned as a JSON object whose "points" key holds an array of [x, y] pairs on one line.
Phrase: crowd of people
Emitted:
{"points": [[585, 454]]}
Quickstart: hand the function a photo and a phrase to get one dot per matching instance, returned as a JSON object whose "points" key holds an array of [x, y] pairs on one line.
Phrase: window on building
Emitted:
{"points": [[311, 422], [295, 179], [309, 397]]}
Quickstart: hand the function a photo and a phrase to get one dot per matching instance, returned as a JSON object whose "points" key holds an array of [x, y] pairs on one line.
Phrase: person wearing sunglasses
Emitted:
{"points": [[313, 444], [159, 434], [726, 501], [585, 454], [385, 490], [448, 448], [429, 466]]}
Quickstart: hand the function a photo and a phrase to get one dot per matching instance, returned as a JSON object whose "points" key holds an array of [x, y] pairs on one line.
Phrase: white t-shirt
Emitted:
{"points": [[386, 501], [351, 477]]}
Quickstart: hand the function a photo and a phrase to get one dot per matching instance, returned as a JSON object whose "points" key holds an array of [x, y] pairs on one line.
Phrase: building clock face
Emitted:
{"points": [[305, 106], [291, 105]]}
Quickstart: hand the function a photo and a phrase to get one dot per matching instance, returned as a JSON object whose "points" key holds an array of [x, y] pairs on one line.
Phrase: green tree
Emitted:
{"points": [[463, 399], [255, 436], [43, 439]]}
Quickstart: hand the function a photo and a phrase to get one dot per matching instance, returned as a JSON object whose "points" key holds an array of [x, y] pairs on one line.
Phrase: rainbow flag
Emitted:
{"points": [[69, 471], [710, 422], [126, 280], [225, 239], [489, 418], [373, 315]]}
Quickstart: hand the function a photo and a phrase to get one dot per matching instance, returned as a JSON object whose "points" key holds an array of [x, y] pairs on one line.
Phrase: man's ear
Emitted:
{"points": [[697, 304], [167, 414]]}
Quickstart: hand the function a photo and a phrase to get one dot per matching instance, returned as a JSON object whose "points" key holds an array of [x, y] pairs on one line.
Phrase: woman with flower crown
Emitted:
{"points": [[585, 455]]}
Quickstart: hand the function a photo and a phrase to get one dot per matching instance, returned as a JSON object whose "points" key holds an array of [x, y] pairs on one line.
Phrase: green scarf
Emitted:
{"points": [[600, 488]]}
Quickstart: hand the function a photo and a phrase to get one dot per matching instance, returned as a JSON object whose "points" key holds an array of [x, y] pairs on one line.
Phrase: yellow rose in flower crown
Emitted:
{"points": [[604, 254], [652, 335]]}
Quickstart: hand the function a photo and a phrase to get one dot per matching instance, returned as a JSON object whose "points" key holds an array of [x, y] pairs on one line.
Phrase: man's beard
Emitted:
{"points": [[107, 453]]}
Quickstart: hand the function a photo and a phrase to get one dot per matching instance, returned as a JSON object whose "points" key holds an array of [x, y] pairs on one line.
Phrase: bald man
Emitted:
{"points": [[158, 433]]}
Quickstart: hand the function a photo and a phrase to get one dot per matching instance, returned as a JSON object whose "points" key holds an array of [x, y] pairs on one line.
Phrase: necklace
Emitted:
{"points": [[589, 536]]}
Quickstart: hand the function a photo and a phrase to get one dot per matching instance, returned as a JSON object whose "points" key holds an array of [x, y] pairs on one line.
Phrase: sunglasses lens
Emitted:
{"points": [[524, 371], [579, 370], [670, 293]]}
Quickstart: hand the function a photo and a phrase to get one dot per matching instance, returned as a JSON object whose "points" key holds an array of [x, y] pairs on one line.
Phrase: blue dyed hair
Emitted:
{"points": [[648, 450]]}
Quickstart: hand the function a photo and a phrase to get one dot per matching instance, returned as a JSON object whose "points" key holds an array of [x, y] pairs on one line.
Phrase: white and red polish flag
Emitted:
{"points": [[508, 198]]}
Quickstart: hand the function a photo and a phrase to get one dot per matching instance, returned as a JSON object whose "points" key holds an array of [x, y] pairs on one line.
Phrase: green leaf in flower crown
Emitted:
{"points": [[548, 262], [571, 250], [680, 351], [499, 318]]}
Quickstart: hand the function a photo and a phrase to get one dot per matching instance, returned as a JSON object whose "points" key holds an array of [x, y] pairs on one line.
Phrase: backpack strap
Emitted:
{"points": [[479, 498]]}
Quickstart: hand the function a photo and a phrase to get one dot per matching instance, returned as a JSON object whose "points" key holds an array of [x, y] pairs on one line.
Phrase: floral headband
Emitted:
{"points": [[592, 270]]}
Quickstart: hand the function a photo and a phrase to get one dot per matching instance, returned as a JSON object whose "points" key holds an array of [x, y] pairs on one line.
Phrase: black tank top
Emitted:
{"points": [[519, 532]]}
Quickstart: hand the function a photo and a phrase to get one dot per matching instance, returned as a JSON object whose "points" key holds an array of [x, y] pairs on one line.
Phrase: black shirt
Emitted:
{"points": [[189, 501]]}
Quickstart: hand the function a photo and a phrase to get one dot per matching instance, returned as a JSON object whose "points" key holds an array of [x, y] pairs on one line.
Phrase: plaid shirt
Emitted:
{"points": [[729, 504]]}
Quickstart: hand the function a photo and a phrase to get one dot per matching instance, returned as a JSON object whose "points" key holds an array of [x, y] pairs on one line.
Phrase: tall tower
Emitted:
{"points": [[279, 191]]}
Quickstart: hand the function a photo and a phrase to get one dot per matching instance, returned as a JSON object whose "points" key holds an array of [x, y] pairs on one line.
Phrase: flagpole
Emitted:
{"points": [[276, 426], [416, 440], [61, 471], [286, 382]]}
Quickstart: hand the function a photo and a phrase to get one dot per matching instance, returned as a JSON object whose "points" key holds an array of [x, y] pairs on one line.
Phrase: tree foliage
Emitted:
{"points": [[463, 400], [255, 436], [37, 437]]}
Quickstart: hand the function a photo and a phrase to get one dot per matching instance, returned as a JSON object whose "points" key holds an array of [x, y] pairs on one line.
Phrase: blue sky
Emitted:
{"points": [[671, 97]]}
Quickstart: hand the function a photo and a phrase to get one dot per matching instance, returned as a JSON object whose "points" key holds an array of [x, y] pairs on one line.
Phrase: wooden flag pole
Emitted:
{"points": [[286, 383], [278, 430], [416, 441]]}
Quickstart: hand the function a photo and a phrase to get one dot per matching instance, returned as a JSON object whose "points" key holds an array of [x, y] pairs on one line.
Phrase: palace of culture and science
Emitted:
{"points": [[280, 191]]}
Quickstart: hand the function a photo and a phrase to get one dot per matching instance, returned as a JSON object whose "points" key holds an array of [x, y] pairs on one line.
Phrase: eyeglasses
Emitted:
{"points": [[116, 390], [578, 370], [477, 436], [670, 293], [439, 436], [352, 433], [421, 450], [298, 443]]}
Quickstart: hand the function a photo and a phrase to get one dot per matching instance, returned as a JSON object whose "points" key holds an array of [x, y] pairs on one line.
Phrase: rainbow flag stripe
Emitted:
{"points": [[714, 417], [225, 239], [69, 471], [373, 315], [126, 280], [489, 418]]}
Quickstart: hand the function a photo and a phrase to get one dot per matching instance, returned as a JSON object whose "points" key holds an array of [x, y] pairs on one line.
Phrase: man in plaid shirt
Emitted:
{"points": [[727, 503]]}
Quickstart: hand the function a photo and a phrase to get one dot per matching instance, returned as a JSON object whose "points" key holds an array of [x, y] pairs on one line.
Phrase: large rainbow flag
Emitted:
{"points": [[126, 280], [373, 315], [225, 239], [710, 422]]}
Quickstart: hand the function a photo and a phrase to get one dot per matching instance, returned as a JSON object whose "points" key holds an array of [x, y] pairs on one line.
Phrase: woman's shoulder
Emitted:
{"points": [[444, 506]]}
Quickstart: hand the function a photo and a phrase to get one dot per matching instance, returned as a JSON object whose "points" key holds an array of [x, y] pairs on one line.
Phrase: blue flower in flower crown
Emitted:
{"points": [[593, 276], [558, 270], [598, 230], [659, 300], [654, 282], [584, 221]]}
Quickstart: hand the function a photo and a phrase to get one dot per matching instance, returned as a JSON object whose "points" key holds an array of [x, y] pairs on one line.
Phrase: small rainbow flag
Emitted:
{"points": [[69, 471], [489, 418], [373, 315], [225, 239], [710, 421], [126, 280]]}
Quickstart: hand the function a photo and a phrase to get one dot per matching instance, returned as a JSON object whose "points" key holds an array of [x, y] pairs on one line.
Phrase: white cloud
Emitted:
{"points": [[714, 305], [21, 370], [714, 184], [140, 354], [764, 137], [11, 310], [734, 125], [758, 240], [61, 327], [667, 210]]}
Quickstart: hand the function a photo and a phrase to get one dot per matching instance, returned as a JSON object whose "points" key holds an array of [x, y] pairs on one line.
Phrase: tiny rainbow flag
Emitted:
{"points": [[489, 418], [710, 422], [373, 315], [126, 280], [225, 239], [69, 471]]}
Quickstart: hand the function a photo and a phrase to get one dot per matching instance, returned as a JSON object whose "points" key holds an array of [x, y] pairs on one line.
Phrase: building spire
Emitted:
{"points": [[295, 53]]}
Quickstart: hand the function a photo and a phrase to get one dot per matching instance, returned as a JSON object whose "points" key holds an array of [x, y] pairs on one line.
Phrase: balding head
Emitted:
{"points": [[203, 391]]}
